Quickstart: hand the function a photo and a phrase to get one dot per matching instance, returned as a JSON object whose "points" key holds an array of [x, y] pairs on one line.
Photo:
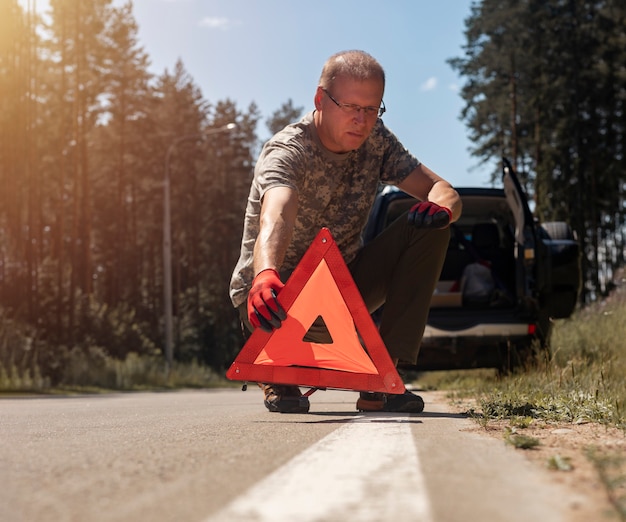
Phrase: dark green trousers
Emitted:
{"points": [[399, 269]]}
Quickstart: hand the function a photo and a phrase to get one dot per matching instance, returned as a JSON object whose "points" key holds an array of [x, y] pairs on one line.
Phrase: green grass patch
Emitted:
{"points": [[92, 371], [559, 463], [581, 381], [520, 440]]}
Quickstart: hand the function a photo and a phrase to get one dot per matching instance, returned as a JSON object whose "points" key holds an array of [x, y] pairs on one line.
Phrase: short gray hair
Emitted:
{"points": [[357, 65]]}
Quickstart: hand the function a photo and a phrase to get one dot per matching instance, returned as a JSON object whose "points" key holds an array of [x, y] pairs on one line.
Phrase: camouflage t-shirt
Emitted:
{"points": [[334, 191]]}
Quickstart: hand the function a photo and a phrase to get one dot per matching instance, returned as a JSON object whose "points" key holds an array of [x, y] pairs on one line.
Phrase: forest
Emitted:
{"points": [[88, 137], [544, 84]]}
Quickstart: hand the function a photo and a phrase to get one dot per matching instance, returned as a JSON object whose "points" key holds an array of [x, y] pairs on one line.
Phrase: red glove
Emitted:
{"points": [[264, 310], [427, 214]]}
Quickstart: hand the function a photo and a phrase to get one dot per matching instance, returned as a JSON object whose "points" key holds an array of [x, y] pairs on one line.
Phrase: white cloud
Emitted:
{"points": [[217, 22], [429, 84], [453, 87]]}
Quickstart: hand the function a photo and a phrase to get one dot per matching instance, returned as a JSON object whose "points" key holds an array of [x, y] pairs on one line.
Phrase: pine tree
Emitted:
{"points": [[545, 87], [282, 117], [78, 47], [15, 99], [120, 167]]}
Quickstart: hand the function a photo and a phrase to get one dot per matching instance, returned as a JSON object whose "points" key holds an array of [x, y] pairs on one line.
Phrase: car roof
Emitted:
{"points": [[463, 191]]}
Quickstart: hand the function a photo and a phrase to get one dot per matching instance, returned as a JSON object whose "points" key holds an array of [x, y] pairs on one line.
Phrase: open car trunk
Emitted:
{"points": [[503, 280]]}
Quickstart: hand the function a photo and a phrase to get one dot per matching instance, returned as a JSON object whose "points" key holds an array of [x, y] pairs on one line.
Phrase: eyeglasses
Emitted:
{"points": [[351, 108]]}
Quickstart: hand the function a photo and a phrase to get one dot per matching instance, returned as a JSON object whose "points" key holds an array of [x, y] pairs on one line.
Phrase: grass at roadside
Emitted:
{"points": [[582, 381], [93, 372]]}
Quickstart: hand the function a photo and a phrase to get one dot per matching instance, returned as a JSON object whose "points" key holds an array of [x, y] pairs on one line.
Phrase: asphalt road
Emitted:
{"points": [[219, 455]]}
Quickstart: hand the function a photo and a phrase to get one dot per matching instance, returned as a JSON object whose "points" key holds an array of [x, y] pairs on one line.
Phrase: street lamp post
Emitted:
{"points": [[167, 240]]}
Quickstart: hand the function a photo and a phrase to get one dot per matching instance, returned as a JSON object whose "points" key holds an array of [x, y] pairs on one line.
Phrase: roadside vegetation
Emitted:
{"points": [[580, 382], [81, 204], [30, 365], [95, 372]]}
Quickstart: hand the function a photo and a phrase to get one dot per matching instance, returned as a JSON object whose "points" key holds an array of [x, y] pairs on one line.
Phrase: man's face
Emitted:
{"points": [[343, 130]]}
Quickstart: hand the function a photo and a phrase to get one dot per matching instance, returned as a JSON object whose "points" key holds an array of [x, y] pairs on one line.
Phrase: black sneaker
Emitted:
{"points": [[369, 401], [408, 402], [284, 399]]}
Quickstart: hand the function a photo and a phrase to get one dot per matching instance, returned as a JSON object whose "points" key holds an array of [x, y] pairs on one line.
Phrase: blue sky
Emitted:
{"points": [[267, 51]]}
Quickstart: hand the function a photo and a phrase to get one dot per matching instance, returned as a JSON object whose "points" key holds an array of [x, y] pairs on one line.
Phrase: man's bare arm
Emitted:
{"points": [[278, 216], [425, 185]]}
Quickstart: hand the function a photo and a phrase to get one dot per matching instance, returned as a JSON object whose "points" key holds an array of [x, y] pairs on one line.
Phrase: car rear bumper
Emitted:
{"points": [[499, 330], [485, 345]]}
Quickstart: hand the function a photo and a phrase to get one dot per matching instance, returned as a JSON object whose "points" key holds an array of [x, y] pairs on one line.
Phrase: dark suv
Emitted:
{"points": [[504, 278]]}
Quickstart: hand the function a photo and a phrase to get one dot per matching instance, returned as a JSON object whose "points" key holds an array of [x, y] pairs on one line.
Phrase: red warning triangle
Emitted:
{"points": [[355, 359]]}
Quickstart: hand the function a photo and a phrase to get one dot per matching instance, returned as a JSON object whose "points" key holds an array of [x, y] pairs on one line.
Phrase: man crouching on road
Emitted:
{"points": [[324, 172]]}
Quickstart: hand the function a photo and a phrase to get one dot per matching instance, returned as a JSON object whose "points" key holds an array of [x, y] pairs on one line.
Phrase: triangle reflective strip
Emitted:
{"points": [[356, 359]]}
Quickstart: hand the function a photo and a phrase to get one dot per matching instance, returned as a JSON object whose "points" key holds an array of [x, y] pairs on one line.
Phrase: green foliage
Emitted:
{"points": [[31, 365], [85, 135], [284, 116], [521, 421], [94, 369], [545, 86], [24, 362], [559, 463], [118, 330], [583, 380], [519, 440], [548, 403]]}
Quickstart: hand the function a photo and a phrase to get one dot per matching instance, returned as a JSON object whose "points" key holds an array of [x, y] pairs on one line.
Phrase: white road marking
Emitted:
{"points": [[367, 470]]}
